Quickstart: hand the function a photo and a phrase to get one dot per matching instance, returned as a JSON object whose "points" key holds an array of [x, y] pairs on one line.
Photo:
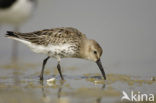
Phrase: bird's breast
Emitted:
{"points": [[61, 50], [64, 50]]}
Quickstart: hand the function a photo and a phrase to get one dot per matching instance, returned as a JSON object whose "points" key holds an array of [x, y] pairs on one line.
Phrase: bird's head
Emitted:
{"points": [[91, 50]]}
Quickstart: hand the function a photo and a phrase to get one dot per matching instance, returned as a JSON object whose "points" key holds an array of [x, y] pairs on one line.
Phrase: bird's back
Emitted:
{"points": [[53, 36]]}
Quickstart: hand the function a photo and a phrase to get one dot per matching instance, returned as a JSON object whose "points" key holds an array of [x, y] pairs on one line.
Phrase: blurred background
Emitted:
{"points": [[125, 29]]}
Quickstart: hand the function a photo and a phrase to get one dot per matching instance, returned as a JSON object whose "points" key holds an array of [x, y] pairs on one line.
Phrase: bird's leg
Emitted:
{"points": [[43, 66], [59, 69], [15, 48]]}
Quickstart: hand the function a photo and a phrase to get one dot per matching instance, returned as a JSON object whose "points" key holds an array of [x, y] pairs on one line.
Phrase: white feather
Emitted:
{"points": [[50, 50]]}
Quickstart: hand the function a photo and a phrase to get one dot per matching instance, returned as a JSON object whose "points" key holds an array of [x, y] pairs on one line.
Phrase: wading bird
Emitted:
{"points": [[65, 42]]}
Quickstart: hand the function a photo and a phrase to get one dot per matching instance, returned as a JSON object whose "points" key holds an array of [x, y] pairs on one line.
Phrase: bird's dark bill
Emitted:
{"points": [[101, 68]]}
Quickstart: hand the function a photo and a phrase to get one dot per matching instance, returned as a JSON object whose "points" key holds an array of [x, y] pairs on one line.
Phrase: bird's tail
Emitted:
{"points": [[11, 34], [17, 36]]}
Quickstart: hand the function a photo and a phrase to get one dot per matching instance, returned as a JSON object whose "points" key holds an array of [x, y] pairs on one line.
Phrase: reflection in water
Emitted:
{"points": [[98, 100], [16, 73], [59, 94], [44, 93], [60, 89], [61, 99]]}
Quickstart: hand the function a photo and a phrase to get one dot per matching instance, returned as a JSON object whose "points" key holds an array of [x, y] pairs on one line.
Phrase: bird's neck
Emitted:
{"points": [[84, 47]]}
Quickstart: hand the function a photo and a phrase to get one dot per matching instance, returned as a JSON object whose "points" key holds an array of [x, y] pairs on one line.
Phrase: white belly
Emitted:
{"points": [[62, 50]]}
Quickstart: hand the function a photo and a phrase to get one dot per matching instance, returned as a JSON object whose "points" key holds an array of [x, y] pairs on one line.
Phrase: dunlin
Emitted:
{"points": [[65, 42], [15, 13]]}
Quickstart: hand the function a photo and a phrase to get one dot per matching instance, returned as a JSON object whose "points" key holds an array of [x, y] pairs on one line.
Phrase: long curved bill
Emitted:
{"points": [[98, 62]]}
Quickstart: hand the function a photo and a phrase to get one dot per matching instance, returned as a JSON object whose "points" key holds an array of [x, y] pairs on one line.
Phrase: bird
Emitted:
{"points": [[61, 42], [16, 13]]}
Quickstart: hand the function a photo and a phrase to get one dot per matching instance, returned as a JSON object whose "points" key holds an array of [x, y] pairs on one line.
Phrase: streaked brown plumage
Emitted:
{"points": [[52, 36], [60, 43]]}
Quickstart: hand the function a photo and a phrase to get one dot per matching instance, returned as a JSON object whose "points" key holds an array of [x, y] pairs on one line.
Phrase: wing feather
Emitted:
{"points": [[53, 36]]}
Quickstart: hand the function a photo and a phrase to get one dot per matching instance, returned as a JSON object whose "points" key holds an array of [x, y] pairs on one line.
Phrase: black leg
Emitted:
{"points": [[43, 65], [59, 69]]}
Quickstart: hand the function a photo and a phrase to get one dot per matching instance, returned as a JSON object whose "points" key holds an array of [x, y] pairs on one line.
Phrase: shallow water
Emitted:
{"points": [[19, 83]]}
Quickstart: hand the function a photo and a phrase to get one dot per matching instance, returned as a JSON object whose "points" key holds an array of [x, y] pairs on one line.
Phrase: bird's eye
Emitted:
{"points": [[95, 52]]}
